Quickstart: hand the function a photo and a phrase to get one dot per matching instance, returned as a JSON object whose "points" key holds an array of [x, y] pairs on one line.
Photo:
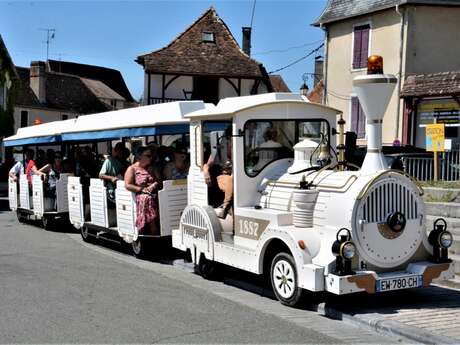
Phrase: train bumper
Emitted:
{"points": [[418, 274]]}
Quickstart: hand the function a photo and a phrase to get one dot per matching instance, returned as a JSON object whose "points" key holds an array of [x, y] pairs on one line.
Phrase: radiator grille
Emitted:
{"points": [[386, 198]]}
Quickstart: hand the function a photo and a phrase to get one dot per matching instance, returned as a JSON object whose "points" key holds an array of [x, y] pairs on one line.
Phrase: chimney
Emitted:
{"points": [[38, 80], [247, 40], [318, 70], [374, 91]]}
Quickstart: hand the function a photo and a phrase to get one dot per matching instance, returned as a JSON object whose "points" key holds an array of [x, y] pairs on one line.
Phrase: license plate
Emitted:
{"points": [[399, 283]]}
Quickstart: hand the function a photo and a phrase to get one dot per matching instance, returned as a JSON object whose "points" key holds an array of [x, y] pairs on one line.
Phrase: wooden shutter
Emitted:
{"points": [[361, 122], [357, 49], [354, 114], [360, 46], [364, 46]]}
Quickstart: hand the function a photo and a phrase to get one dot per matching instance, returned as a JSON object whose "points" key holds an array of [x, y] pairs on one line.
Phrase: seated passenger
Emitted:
{"points": [[178, 168], [112, 171], [18, 168], [31, 168], [141, 179], [53, 172], [225, 183]]}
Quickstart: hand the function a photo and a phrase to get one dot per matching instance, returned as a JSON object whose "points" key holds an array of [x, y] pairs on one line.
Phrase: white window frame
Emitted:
{"points": [[369, 45]]}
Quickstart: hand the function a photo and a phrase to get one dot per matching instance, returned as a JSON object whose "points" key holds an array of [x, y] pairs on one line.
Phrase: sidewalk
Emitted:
{"points": [[429, 315]]}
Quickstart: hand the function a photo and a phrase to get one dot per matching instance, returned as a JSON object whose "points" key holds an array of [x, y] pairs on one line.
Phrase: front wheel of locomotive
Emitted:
{"points": [[283, 276]]}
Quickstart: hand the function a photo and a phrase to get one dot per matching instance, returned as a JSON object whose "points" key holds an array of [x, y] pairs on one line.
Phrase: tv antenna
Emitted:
{"points": [[50, 34]]}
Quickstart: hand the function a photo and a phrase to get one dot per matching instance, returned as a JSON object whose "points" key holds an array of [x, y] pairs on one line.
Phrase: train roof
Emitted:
{"points": [[44, 133], [158, 119], [233, 105]]}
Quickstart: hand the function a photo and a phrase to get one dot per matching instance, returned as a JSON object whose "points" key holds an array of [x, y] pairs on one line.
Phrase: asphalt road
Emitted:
{"points": [[56, 289]]}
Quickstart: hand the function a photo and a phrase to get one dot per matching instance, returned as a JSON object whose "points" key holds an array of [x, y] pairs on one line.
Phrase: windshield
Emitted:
{"points": [[266, 141]]}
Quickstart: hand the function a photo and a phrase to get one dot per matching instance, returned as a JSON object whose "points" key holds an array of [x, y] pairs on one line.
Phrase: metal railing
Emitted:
{"points": [[422, 167], [158, 100]]}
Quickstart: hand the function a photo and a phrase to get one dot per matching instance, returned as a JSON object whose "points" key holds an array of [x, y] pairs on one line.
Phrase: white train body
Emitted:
{"points": [[269, 220]]}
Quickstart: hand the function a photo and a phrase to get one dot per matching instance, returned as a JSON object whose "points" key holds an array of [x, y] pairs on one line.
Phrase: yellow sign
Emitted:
{"points": [[435, 137]]}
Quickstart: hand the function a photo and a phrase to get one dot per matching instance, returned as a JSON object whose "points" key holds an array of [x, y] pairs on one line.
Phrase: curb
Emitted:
{"points": [[387, 326]]}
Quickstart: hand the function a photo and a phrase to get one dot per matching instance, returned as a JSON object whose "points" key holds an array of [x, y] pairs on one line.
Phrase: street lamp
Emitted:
{"points": [[304, 89]]}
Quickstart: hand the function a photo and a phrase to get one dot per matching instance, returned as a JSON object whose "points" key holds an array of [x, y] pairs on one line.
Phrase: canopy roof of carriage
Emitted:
{"points": [[158, 119]]}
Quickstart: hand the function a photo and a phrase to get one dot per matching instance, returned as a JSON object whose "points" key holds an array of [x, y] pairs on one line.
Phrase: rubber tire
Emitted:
{"points": [[298, 293], [86, 237], [47, 222], [206, 268], [140, 248], [21, 218]]}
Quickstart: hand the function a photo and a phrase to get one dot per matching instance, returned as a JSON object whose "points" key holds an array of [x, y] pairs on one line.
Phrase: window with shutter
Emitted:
{"points": [[358, 119], [360, 46]]}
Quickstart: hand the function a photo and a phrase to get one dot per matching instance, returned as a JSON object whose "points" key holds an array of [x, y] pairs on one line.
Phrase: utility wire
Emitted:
{"points": [[253, 11], [287, 49], [298, 60]]}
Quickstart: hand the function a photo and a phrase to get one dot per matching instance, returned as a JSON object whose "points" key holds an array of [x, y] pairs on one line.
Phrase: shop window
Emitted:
{"points": [[360, 46], [358, 118]]}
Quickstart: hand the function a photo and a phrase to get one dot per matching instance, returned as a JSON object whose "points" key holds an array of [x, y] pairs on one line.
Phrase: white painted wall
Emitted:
{"points": [[44, 115]]}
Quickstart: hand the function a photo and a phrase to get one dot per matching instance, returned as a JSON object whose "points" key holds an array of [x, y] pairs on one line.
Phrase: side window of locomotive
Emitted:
{"points": [[266, 141], [216, 141]]}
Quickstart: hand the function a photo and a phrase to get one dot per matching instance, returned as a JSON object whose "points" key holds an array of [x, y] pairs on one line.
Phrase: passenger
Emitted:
{"points": [[31, 168], [225, 183], [126, 159], [49, 156], [165, 156], [178, 168], [19, 167], [53, 172], [141, 179], [40, 161], [86, 165], [112, 171]]}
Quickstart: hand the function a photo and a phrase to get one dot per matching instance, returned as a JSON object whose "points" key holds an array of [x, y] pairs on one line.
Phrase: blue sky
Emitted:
{"points": [[113, 34]]}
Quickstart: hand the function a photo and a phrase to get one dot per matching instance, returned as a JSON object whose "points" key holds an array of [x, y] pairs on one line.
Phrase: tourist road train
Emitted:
{"points": [[301, 215]]}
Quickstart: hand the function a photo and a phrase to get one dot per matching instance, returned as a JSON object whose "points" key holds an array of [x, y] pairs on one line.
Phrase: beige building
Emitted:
{"points": [[414, 37]]}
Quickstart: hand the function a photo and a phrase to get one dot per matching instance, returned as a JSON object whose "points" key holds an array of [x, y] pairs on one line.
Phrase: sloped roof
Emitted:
{"points": [[63, 92], [5, 59], [342, 9], [110, 77], [436, 84], [188, 54], [278, 83], [101, 90]]}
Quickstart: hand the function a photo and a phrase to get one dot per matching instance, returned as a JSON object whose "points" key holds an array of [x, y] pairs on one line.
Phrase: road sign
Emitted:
{"points": [[435, 137]]}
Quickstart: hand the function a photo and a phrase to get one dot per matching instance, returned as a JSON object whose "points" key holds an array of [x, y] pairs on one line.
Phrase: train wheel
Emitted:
{"points": [[206, 268], [85, 234], [284, 281], [47, 222], [140, 248], [21, 218]]}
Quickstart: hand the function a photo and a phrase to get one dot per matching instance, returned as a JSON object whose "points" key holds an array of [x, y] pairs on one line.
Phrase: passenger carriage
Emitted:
{"points": [[29, 201], [163, 122], [301, 214]]}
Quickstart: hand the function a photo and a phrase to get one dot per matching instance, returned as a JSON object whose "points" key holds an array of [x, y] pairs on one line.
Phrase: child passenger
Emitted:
{"points": [[140, 178]]}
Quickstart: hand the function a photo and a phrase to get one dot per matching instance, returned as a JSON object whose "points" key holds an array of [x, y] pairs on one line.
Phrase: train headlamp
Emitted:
{"points": [[348, 250], [344, 250], [445, 239], [441, 240]]}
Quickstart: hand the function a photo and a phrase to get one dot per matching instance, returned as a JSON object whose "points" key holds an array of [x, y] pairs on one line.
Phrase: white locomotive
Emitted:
{"points": [[310, 223]]}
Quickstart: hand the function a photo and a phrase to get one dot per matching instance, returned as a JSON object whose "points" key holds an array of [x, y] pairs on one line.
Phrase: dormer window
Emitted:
{"points": [[208, 37]]}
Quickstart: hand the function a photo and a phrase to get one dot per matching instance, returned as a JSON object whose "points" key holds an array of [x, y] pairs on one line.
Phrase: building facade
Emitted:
{"points": [[410, 35], [204, 62]]}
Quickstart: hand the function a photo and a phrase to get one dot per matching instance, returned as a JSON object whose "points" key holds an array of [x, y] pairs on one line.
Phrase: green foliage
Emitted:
{"points": [[7, 114]]}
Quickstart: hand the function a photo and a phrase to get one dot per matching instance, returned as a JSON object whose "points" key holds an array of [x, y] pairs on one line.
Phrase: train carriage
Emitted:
{"points": [[163, 122], [301, 214], [28, 199]]}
